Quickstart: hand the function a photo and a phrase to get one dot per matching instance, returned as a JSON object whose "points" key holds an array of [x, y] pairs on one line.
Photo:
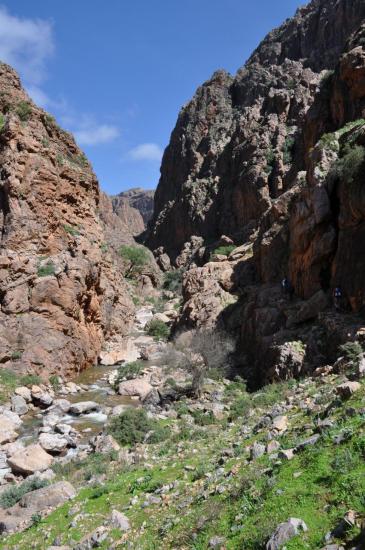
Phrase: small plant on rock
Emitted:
{"points": [[136, 256], [129, 371], [352, 351], [23, 110]]}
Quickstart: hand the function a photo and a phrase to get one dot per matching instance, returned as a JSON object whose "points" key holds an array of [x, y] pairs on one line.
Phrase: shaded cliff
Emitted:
{"points": [[273, 161], [60, 294]]}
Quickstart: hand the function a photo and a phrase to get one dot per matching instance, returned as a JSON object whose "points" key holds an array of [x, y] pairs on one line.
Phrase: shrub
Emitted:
{"points": [[2, 122], [129, 371], [12, 495], [30, 380], [71, 230], [16, 355], [224, 250], [133, 425], [202, 418], [288, 149], [137, 256], [36, 519], [349, 165], [240, 407], [55, 382], [270, 161], [352, 351], [173, 280], [46, 269], [199, 351], [329, 142], [23, 110], [158, 329]]}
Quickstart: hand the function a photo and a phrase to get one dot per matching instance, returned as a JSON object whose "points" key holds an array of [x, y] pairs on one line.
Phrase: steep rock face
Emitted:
{"points": [[286, 180], [60, 296], [135, 208], [239, 143]]}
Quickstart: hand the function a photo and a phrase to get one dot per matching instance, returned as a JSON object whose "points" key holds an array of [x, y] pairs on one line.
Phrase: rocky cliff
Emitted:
{"points": [[272, 160], [135, 208], [60, 294]]}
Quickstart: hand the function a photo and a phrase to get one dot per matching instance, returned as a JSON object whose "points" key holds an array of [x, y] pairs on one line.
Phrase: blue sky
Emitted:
{"points": [[116, 72]]}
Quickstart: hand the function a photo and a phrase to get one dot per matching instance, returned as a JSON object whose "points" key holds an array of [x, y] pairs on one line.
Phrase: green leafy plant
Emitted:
{"points": [[2, 122], [158, 329], [173, 280], [224, 250], [352, 351], [349, 165], [71, 230], [270, 161], [46, 269], [128, 372], [36, 519], [16, 355], [133, 425], [288, 149], [55, 382], [136, 256], [30, 380], [23, 110], [12, 495]]}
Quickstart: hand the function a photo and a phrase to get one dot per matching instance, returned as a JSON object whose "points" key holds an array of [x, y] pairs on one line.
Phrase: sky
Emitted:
{"points": [[117, 72]]}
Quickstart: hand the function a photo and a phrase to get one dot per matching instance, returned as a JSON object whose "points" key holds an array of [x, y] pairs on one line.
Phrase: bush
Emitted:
{"points": [[55, 382], [349, 165], [137, 256], [12, 495], [158, 329], [240, 407], [23, 110], [133, 425], [128, 372], [288, 149], [71, 230], [224, 250], [2, 122], [30, 380], [16, 355], [46, 269], [352, 352], [173, 280]]}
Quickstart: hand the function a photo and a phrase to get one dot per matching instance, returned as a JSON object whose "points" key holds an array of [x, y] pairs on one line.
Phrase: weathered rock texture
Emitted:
{"points": [[135, 208], [274, 158], [60, 295]]}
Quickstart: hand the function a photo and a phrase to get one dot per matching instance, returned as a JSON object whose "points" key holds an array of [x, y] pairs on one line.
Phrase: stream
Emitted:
{"points": [[94, 387]]}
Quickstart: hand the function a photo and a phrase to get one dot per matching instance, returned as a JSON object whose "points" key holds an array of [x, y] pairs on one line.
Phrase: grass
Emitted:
{"points": [[224, 250], [46, 269], [70, 230], [239, 500], [23, 110]]}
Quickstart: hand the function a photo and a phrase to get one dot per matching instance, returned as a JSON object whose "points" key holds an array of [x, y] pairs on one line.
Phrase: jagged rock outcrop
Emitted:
{"points": [[135, 208], [60, 295], [275, 157]]}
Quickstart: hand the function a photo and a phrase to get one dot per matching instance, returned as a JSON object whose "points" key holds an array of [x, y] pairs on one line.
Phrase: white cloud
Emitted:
{"points": [[25, 44], [96, 134], [146, 151]]}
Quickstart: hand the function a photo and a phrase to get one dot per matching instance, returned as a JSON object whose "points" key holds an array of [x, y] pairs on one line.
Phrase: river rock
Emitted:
{"points": [[24, 392], [54, 444], [41, 397], [62, 405], [138, 387], [19, 405], [284, 532], [84, 407], [29, 460]]}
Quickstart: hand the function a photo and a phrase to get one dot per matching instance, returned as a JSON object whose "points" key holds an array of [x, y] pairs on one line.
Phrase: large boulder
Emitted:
{"points": [[139, 387], [54, 444], [30, 460], [84, 407], [284, 532], [48, 497]]}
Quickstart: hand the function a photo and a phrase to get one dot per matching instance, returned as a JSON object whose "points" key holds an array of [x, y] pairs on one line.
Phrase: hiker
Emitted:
{"points": [[337, 298], [287, 287]]}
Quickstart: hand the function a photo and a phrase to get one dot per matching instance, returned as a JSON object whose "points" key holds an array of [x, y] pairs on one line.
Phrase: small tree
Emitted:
{"points": [[198, 351], [137, 256]]}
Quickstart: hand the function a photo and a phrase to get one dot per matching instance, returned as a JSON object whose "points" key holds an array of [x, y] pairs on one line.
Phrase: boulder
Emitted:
{"points": [[280, 423], [54, 444], [62, 405], [284, 532], [347, 389], [24, 392], [48, 497], [41, 397], [119, 521], [139, 387], [84, 407], [19, 405], [104, 443], [30, 460], [257, 450]]}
